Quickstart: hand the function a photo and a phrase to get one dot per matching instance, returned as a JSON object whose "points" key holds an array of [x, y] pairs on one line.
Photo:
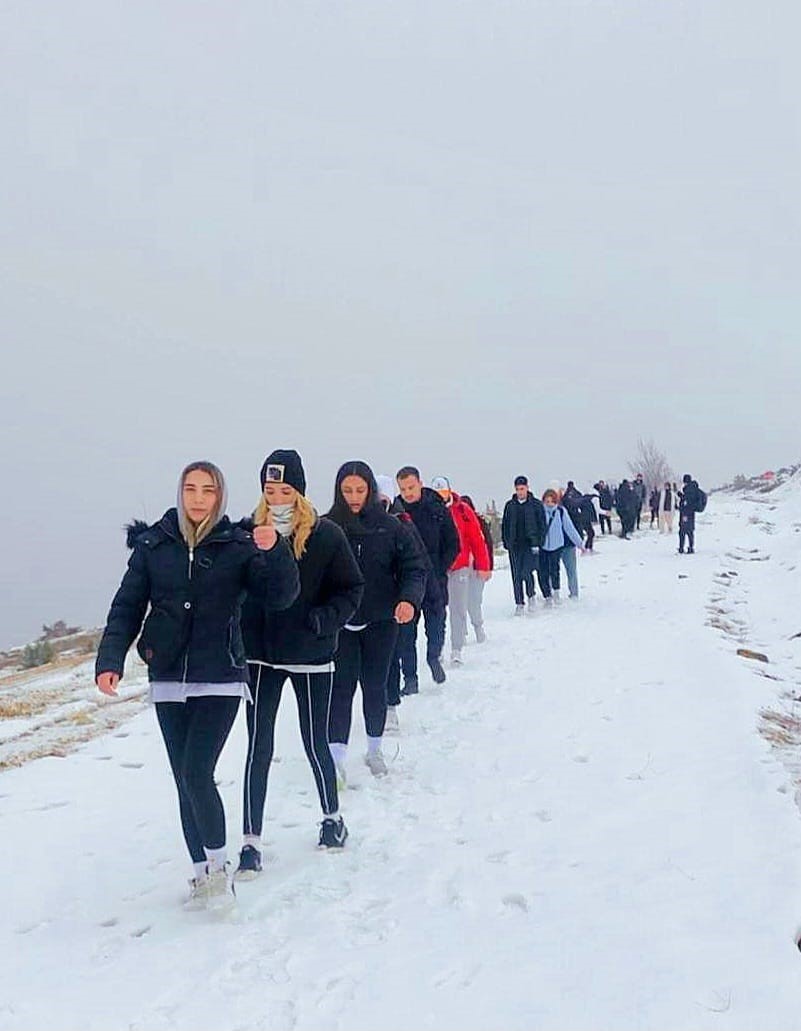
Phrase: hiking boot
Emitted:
{"points": [[333, 833], [249, 864], [410, 686], [437, 672]]}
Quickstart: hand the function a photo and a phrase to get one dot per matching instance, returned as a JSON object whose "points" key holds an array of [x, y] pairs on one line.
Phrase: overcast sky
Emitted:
{"points": [[486, 238]]}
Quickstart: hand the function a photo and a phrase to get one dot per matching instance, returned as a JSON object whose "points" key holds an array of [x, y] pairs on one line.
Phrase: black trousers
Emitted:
{"points": [[364, 657], [686, 533], [403, 661], [627, 523], [548, 571], [522, 565], [313, 695], [590, 537], [605, 519], [195, 732]]}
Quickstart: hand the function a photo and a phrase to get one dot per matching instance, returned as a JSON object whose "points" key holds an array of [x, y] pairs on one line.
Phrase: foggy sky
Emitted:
{"points": [[486, 238]]}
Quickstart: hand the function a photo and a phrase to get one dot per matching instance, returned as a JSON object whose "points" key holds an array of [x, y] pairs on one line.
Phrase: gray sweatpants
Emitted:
{"points": [[458, 601], [475, 595]]}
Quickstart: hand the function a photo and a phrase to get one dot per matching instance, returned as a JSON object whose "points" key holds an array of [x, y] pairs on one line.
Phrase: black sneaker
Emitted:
{"points": [[333, 833], [249, 864], [437, 672], [410, 686]]}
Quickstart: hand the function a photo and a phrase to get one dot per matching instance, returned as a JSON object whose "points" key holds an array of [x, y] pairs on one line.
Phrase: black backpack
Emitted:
{"points": [[701, 500]]}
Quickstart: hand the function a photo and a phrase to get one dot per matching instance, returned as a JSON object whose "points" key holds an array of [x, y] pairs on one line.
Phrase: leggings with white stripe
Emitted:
{"points": [[313, 695]]}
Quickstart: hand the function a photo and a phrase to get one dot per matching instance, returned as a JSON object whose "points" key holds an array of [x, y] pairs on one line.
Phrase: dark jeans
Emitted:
{"points": [[590, 537], [363, 656], [627, 523], [548, 571], [522, 565], [686, 533], [195, 732], [605, 519], [313, 695]]}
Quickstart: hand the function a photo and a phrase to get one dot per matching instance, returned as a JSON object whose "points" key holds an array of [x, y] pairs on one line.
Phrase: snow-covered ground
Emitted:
{"points": [[583, 828]]}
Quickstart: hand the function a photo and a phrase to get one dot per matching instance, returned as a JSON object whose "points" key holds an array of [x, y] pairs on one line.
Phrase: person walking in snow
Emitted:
{"points": [[653, 504], [522, 535], [296, 644], [666, 507], [638, 488], [605, 505], [690, 502], [433, 522], [475, 591], [192, 568], [394, 571], [386, 495], [559, 530], [472, 556], [626, 504]]}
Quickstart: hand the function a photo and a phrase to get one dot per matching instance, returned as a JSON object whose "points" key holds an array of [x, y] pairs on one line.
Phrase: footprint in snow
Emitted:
{"points": [[516, 901], [51, 805], [140, 932], [132, 766], [498, 857], [111, 922], [581, 758], [543, 816]]}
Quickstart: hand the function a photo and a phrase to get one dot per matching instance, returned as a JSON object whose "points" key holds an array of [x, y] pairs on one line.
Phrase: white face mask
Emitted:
{"points": [[282, 517]]}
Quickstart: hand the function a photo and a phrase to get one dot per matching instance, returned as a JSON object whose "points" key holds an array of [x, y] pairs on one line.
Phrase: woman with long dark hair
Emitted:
{"points": [[191, 569], [394, 571]]}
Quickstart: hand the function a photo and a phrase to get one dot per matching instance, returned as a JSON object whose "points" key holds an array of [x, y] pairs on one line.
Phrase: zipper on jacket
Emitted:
{"points": [[186, 654]]}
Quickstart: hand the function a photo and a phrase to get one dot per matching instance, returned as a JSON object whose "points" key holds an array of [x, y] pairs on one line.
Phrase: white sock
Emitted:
{"points": [[200, 870], [373, 745], [252, 839], [216, 857], [331, 816], [339, 752]]}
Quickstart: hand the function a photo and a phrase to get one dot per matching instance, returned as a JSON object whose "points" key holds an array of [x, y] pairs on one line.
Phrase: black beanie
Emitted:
{"points": [[521, 481], [284, 466]]}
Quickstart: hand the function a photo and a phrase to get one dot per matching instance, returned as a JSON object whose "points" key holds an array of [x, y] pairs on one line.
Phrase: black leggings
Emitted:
{"points": [[195, 732], [363, 657], [313, 695]]}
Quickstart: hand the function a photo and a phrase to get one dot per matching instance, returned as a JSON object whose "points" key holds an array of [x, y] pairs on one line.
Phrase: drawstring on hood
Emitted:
{"points": [[192, 534]]}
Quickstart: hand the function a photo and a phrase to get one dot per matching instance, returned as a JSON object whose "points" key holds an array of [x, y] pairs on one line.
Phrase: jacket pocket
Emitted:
{"points": [[163, 639], [236, 649]]}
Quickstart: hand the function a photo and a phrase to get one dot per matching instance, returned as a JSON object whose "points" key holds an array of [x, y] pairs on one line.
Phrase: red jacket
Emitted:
{"points": [[471, 537]]}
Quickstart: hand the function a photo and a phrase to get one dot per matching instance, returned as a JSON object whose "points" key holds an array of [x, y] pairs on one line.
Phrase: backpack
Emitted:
{"points": [[700, 503]]}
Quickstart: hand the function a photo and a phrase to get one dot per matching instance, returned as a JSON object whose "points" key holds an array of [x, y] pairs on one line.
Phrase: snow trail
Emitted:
{"points": [[581, 828]]}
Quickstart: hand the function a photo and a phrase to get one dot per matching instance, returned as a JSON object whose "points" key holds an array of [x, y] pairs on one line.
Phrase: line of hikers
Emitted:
{"points": [[229, 611]]}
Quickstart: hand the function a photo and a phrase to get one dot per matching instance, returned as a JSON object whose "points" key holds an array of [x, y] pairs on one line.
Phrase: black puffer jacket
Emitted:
{"points": [[433, 522], [192, 632], [391, 561], [523, 523], [331, 587]]}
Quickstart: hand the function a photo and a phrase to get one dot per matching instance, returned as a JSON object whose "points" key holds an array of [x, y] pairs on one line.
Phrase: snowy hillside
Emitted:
{"points": [[583, 828]]}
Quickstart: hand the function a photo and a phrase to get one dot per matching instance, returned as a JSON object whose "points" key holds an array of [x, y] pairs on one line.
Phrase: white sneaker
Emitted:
{"points": [[221, 893], [392, 726], [376, 763], [532, 601], [456, 658], [198, 893], [549, 603], [557, 598], [520, 610]]}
